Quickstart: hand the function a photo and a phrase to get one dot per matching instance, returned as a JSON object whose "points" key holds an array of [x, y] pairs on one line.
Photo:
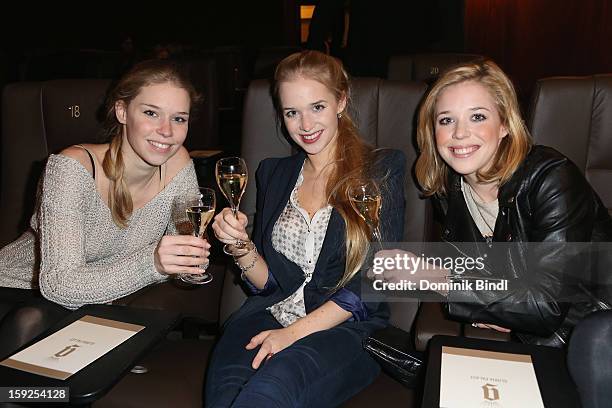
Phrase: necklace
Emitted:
{"points": [[488, 237]]}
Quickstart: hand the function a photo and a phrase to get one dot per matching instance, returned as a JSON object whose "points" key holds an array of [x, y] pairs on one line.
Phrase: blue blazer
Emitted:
{"points": [[276, 178]]}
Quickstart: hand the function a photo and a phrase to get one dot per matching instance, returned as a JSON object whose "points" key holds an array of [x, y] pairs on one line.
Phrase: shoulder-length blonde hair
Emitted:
{"points": [[431, 170], [352, 154], [145, 73]]}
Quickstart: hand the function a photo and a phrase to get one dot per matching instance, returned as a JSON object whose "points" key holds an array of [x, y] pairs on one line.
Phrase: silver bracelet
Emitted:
{"points": [[250, 266]]}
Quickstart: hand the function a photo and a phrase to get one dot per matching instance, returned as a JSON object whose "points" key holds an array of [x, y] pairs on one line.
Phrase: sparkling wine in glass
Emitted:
{"points": [[232, 177], [366, 200], [200, 209]]}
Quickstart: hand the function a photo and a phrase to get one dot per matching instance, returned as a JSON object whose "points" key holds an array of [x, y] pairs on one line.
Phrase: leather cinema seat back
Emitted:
{"points": [[73, 111], [40, 118], [423, 67], [574, 116], [262, 136], [599, 164]]}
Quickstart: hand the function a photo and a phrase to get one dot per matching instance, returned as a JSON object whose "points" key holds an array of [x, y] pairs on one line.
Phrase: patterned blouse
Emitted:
{"points": [[299, 239]]}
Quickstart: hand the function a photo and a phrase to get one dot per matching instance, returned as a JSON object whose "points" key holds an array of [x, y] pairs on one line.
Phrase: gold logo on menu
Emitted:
{"points": [[490, 392], [66, 350]]}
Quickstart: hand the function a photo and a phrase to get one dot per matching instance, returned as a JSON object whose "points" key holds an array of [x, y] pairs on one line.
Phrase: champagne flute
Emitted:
{"points": [[200, 209], [366, 200], [231, 174]]}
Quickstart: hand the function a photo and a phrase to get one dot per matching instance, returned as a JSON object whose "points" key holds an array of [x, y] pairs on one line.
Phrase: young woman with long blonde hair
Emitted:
{"points": [[298, 340], [103, 226]]}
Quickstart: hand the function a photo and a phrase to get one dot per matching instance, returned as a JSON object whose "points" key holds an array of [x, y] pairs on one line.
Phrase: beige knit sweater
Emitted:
{"points": [[74, 251]]}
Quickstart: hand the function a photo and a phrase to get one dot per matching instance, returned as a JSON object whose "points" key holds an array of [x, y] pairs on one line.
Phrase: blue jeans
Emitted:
{"points": [[320, 370]]}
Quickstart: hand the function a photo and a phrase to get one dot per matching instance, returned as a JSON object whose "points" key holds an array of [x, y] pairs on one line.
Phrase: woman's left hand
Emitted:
{"points": [[271, 341]]}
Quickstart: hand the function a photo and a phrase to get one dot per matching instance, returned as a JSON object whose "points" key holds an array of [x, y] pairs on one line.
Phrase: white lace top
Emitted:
{"points": [[300, 239], [74, 251]]}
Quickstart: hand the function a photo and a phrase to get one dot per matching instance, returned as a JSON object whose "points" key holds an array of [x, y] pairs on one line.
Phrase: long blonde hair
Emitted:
{"points": [[431, 171], [351, 153], [145, 73]]}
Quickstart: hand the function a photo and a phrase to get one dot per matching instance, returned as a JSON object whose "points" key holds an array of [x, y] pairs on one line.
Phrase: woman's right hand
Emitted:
{"points": [[181, 254], [228, 229]]}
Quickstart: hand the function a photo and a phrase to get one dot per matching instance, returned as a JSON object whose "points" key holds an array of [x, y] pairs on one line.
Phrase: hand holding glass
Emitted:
{"points": [[232, 177], [200, 209]]}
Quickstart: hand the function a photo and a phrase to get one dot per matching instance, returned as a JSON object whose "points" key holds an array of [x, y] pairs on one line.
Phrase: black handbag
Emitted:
{"points": [[392, 349]]}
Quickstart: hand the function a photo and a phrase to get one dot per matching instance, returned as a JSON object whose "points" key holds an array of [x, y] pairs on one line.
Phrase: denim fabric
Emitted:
{"points": [[320, 370]]}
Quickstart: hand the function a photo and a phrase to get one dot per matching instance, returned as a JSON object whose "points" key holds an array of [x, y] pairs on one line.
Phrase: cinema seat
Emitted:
{"points": [[574, 115], [423, 67]]}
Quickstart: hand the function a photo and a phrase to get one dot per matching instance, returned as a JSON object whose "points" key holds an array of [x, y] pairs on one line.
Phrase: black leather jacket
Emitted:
{"points": [[546, 200]]}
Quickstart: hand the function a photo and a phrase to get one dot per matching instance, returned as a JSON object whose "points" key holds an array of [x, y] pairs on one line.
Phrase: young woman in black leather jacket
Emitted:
{"points": [[491, 185]]}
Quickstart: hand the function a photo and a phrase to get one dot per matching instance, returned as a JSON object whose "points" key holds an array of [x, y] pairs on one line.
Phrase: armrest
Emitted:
{"points": [[430, 321], [199, 302], [487, 334]]}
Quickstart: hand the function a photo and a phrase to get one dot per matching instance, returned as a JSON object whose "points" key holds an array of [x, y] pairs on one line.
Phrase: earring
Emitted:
{"points": [[339, 115]]}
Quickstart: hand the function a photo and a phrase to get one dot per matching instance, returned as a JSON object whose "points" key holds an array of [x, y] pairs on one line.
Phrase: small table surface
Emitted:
{"points": [[556, 386], [94, 380]]}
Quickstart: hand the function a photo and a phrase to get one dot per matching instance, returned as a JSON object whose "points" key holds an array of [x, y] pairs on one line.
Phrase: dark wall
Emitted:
{"points": [[530, 39], [536, 39], [379, 29], [103, 25]]}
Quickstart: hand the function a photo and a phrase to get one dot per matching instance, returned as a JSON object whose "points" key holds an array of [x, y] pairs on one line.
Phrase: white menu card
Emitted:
{"points": [[477, 378], [68, 350]]}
